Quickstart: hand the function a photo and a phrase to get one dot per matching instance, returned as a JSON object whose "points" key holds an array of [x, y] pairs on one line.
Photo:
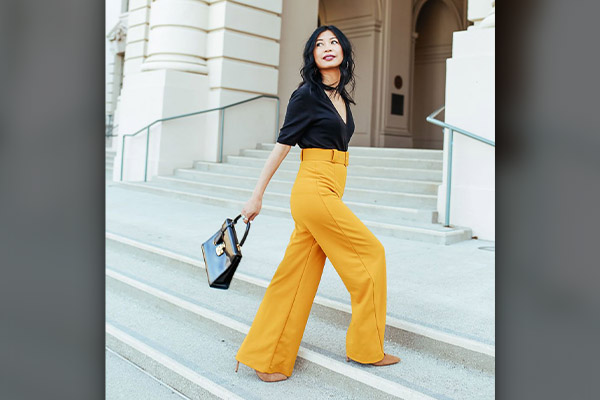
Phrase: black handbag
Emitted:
{"points": [[222, 254]]}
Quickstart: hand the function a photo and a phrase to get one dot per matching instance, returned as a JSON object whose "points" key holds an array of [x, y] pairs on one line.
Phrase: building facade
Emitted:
{"points": [[173, 57]]}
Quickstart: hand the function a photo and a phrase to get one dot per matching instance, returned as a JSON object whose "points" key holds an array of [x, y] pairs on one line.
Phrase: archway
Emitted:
{"points": [[435, 23]]}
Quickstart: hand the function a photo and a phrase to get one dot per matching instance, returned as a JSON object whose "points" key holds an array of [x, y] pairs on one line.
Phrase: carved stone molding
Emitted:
{"points": [[117, 36], [490, 20]]}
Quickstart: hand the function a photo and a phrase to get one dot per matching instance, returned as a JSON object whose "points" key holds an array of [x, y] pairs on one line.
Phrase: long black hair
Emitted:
{"points": [[311, 74]]}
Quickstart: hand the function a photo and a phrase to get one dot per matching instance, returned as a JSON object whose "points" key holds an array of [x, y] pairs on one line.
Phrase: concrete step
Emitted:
{"points": [[375, 160], [281, 200], [110, 158], [237, 187], [449, 288], [126, 381], [424, 154], [192, 348], [162, 367], [287, 177], [381, 219], [374, 211], [438, 342], [371, 162], [290, 165], [421, 369]]}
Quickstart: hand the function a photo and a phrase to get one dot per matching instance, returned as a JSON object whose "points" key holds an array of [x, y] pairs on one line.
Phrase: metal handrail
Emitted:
{"points": [[451, 129], [222, 109]]}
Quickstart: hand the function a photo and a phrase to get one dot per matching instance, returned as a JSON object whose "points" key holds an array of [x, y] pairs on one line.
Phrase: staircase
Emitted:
{"points": [[393, 191], [162, 316]]}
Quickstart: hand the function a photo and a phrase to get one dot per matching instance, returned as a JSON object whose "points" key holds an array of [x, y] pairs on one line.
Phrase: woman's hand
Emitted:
{"points": [[251, 208]]}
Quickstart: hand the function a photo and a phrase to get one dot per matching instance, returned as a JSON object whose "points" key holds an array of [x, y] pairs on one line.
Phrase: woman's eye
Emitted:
{"points": [[334, 41]]}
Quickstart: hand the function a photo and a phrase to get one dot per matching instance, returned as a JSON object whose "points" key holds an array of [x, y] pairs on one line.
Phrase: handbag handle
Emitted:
{"points": [[247, 229], [218, 238]]}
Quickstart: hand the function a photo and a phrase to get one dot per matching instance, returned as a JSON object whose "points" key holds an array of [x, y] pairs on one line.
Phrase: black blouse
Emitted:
{"points": [[311, 120]]}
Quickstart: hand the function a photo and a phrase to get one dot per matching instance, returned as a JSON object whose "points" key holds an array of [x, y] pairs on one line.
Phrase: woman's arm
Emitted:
{"points": [[254, 204]]}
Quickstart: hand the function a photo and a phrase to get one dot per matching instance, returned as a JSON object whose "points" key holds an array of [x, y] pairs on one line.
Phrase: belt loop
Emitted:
{"points": [[301, 154], [333, 155]]}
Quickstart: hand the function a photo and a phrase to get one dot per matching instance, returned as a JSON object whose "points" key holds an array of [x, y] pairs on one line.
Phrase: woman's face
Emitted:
{"points": [[328, 51]]}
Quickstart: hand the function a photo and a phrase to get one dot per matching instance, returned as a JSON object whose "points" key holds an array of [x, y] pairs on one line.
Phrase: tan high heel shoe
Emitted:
{"points": [[267, 377], [387, 359]]}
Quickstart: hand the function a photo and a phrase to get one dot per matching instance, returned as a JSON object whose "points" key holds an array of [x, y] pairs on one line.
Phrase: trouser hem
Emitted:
{"points": [[260, 369], [363, 360]]}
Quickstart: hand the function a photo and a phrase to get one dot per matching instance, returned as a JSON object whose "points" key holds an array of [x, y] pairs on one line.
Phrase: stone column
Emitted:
{"points": [[490, 20], [482, 12], [177, 38], [199, 55], [138, 16], [243, 60], [470, 105], [172, 80]]}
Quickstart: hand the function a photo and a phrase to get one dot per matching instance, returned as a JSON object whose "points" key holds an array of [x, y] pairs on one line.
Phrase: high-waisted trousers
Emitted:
{"points": [[324, 227]]}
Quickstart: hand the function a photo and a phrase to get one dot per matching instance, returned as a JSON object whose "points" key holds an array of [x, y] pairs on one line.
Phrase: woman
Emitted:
{"points": [[319, 119]]}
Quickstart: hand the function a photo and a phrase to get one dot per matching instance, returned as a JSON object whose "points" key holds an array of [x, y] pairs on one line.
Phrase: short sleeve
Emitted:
{"points": [[297, 118]]}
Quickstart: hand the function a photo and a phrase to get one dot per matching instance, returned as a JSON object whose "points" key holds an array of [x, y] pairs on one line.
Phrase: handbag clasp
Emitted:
{"points": [[220, 248]]}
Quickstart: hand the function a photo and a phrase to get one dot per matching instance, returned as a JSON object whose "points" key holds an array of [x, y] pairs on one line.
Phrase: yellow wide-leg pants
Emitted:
{"points": [[324, 227]]}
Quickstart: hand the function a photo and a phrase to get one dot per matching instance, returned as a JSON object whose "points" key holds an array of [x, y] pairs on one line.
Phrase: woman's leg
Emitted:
{"points": [[358, 257], [324, 225], [274, 338]]}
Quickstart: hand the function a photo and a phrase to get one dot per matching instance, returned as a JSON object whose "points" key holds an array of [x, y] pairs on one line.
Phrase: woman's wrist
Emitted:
{"points": [[257, 196]]}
